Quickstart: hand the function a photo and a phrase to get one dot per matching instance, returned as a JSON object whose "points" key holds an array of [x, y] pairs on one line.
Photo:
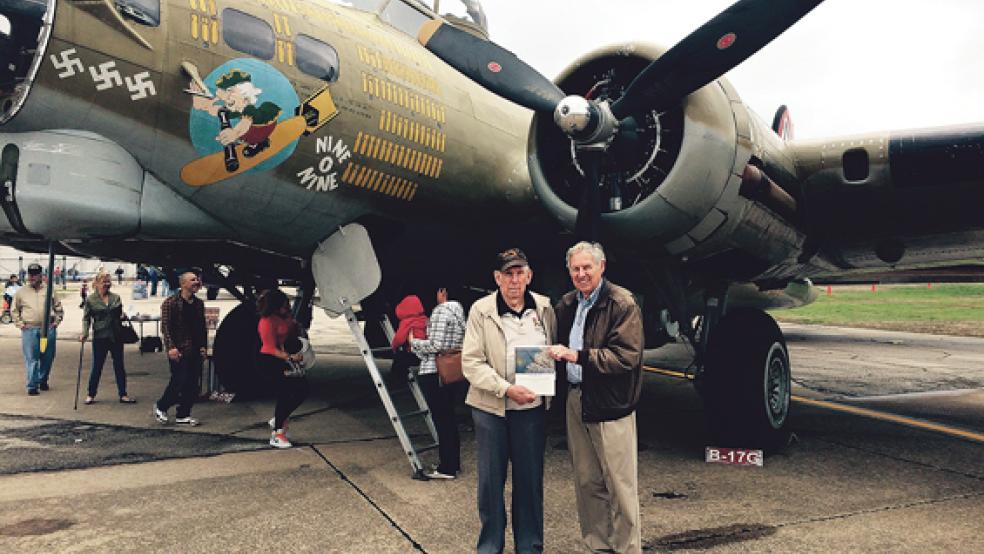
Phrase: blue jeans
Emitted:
{"points": [[100, 348], [38, 365], [520, 438]]}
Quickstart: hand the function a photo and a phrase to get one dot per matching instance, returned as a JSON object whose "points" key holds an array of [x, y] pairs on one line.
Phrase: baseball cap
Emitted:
{"points": [[514, 257], [34, 269]]}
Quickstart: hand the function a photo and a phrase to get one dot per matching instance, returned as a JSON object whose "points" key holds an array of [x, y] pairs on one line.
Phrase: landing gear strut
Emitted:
{"points": [[746, 381]]}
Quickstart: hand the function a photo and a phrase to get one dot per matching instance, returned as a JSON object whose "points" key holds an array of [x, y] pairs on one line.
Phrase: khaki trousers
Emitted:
{"points": [[606, 461]]}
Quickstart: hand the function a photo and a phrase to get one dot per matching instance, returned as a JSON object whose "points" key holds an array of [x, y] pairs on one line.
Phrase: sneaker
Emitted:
{"points": [[160, 415], [189, 421], [44, 386], [273, 420], [435, 474], [33, 392], [279, 440]]}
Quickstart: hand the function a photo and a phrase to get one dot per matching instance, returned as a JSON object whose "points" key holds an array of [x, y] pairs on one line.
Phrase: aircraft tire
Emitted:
{"points": [[236, 346], [747, 382]]}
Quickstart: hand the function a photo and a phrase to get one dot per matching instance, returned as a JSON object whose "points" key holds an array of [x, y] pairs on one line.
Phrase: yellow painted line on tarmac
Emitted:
{"points": [[884, 416], [856, 410]]}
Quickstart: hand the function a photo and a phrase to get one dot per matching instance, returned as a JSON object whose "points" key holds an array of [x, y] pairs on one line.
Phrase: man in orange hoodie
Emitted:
{"points": [[410, 312]]}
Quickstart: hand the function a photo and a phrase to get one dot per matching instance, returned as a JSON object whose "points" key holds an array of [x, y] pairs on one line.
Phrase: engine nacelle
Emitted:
{"points": [[75, 185], [672, 186]]}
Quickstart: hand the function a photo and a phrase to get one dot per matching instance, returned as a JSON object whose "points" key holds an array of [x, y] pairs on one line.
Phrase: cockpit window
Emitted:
{"points": [[469, 10], [364, 5], [316, 58], [144, 12], [403, 17], [248, 34]]}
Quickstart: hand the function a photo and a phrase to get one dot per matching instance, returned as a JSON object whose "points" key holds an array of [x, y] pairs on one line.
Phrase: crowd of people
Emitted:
{"points": [[593, 334], [183, 333]]}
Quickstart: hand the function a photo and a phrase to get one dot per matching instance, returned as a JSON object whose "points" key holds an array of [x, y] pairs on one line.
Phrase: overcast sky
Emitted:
{"points": [[849, 66]]}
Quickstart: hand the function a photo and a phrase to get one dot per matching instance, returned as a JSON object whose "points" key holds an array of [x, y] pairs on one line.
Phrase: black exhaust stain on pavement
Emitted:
{"points": [[669, 495], [52, 444], [715, 536], [35, 526]]}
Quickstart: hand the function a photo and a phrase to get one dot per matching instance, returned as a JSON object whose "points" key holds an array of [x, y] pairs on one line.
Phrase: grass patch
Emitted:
{"points": [[954, 309]]}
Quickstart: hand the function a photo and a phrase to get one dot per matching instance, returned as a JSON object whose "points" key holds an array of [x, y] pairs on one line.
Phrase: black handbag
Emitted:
{"points": [[126, 334], [151, 344]]}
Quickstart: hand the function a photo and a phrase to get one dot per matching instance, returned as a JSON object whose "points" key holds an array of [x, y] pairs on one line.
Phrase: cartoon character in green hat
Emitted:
{"points": [[236, 97]]}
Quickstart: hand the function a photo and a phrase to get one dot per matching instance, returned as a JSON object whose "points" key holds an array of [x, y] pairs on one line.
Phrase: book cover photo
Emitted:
{"points": [[535, 369]]}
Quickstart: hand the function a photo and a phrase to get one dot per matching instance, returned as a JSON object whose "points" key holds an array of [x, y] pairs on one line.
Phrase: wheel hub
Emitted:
{"points": [[777, 386]]}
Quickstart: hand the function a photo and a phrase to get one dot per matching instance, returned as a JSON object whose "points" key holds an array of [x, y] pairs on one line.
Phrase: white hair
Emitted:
{"points": [[591, 247], [249, 90]]}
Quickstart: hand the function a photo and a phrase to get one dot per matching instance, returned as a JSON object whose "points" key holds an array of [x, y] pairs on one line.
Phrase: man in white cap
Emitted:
{"points": [[28, 314]]}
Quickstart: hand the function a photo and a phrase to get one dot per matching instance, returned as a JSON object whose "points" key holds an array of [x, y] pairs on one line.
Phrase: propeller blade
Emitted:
{"points": [[491, 66], [48, 291], [709, 52], [587, 226]]}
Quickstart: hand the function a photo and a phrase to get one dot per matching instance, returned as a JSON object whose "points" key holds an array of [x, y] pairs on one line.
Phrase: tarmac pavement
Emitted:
{"points": [[109, 477]]}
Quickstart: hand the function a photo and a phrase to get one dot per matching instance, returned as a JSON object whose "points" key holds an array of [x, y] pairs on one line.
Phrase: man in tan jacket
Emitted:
{"points": [[28, 312], [509, 418]]}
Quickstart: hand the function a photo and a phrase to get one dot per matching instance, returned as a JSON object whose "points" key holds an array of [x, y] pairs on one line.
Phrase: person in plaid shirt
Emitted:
{"points": [[445, 332], [183, 327]]}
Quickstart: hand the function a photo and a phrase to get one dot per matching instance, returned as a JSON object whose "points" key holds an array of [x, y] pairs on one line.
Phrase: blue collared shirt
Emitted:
{"points": [[576, 339]]}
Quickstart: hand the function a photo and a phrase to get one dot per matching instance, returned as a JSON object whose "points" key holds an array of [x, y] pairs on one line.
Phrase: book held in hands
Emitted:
{"points": [[535, 369]]}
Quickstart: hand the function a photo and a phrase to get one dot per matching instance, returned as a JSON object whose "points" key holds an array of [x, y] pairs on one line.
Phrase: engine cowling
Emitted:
{"points": [[669, 176]]}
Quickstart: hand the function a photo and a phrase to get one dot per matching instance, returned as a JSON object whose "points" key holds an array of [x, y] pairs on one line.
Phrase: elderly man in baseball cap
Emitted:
{"points": [[509, 418], [28, 313]]}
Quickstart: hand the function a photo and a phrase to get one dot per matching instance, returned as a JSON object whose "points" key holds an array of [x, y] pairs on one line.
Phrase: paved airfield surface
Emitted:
{"points": [[108, 477]]}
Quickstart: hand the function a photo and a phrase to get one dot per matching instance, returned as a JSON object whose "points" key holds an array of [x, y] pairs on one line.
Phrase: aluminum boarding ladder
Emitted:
{"points": [[396, 419]]}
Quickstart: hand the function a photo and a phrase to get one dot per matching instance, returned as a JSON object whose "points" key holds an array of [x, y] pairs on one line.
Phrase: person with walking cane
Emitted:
{"points": [[103, 313]]}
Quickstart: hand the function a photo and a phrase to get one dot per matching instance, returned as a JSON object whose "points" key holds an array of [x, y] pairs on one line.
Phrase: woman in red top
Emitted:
{"points": [[276, 325]]}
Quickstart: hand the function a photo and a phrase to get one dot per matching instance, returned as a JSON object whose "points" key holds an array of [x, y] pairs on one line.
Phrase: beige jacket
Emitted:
{"points": [[483, 354], [28, 309]]}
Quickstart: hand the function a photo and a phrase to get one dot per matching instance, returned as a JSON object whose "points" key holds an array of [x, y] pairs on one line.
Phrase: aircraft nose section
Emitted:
{"points": [[25, 26]]}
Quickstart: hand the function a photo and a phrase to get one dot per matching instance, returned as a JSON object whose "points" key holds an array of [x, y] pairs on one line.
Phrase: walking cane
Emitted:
{"points": [[78, 381]]}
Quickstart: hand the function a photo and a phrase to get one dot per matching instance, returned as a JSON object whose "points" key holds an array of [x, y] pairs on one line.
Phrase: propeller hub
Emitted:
{"points": [[573, 115]]}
